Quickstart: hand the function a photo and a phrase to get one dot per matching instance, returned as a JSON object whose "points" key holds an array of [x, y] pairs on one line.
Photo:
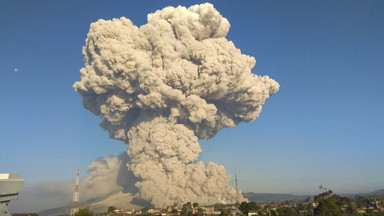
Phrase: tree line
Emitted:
{"points": [[325, 203]]}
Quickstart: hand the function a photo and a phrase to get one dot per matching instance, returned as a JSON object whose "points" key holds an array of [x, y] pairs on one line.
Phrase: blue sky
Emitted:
{"points": [[324, 127]]}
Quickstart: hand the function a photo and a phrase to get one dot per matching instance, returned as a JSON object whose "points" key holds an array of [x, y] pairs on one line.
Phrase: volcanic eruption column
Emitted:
{"points": [[163, 86]]}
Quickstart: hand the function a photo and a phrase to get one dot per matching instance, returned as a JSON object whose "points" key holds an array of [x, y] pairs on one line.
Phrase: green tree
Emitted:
{"points": [[186, 210], [111, 209], [273, 213], [301, 206], [324, 195], [246, 207], [144, 210], [225, 212], [290, 211], [327, 207], [218, 207], [280, 210], [195, 205], [84, 212], [351, 209]]}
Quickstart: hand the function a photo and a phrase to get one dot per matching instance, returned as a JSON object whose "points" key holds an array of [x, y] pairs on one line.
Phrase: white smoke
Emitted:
{"points": [[161, 87]]}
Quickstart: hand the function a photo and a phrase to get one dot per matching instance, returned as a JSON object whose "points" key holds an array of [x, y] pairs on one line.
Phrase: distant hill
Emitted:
{"points": [[265, 198], [378, 192], [56, 211]]}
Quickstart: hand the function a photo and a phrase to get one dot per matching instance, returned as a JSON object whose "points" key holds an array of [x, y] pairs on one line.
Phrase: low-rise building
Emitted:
{"points": [[252, 213]]}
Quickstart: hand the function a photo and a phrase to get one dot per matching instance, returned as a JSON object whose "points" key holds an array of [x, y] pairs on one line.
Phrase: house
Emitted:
{"points": [[170, 208], [118, 210], [235, 212], [128, 211], [210, 210], [252, 213], [154, 211]]}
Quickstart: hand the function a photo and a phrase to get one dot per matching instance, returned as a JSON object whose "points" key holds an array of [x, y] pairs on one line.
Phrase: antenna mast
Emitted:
{"points": [[75, 200]]}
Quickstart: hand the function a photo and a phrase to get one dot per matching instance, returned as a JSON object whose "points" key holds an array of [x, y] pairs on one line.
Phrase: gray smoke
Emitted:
{"points": [[161, 87], [107, 179]]}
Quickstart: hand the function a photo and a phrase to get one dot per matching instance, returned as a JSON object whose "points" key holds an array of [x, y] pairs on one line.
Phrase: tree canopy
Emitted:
{"points": [[111, 209], [246, 207], [84, 212]]}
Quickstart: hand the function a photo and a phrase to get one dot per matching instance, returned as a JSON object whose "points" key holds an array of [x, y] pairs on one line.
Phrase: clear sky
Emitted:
{"points": [[324, 127]]}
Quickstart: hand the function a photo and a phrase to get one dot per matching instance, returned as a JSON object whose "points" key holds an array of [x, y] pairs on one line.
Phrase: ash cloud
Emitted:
{"points": [[163, 86], [107, 176]]}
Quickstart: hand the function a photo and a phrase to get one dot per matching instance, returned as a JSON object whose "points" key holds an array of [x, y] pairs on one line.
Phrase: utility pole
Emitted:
{"points": [[75, 200]]}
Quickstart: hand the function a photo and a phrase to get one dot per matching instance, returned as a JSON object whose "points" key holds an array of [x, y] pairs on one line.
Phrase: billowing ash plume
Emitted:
{"points": [[161, 87]]}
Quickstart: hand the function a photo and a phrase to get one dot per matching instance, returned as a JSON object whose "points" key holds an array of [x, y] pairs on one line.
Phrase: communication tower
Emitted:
{"points": [[75, 200]]}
